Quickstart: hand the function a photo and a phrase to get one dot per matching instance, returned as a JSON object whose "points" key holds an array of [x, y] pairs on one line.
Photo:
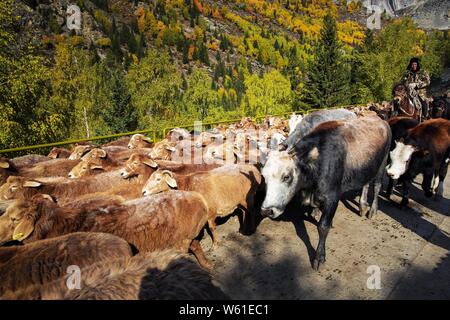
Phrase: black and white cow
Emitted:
{"points": [[425, 150], [336, 157]]}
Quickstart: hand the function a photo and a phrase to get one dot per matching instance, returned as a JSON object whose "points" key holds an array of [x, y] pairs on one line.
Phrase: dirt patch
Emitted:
{"points": [[408, 245]]}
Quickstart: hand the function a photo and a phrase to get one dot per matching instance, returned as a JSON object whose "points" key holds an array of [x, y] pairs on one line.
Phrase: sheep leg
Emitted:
{"points": [[197, 250], [212, 229]]}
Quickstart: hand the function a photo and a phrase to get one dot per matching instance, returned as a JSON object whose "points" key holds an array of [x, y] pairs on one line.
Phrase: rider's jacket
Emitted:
{"points": [[419, 80]]}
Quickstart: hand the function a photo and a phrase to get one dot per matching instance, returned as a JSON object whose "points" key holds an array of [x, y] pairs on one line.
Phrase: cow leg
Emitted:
{"points": [[427, 183], [363, 204], [442, 174], [197, 250], [390, 187], [328, 211], [212, 228], [405, 192], [376, 192]]}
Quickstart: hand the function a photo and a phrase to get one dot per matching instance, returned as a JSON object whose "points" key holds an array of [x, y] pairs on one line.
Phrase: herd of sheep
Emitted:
{"points": [[127, 213]]}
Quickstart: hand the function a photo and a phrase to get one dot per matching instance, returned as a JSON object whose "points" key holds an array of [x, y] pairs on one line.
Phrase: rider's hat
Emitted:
{"points": [[416, 60]]}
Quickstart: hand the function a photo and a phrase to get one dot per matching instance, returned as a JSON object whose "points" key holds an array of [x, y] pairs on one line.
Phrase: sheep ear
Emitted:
{"points": [[101, 153], [148, 139], [4, 164], [170, 148], [32, 184], [96, 166], [150, 162], [170, 181], [23, 229], [48, 197]]}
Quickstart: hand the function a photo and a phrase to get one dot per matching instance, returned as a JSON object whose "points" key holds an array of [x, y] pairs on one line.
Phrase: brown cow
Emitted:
{"points": [[426, 150]]}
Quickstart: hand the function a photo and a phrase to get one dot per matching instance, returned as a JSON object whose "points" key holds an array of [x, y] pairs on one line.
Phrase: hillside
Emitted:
{"points": [[155, 63]]}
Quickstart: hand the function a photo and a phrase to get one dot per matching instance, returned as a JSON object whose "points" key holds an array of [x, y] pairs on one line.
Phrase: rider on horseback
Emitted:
{"points": [[417, 80]]}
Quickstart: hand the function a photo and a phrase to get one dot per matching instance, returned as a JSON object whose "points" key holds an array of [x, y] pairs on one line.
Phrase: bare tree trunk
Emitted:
{"points": [[86, 124]]}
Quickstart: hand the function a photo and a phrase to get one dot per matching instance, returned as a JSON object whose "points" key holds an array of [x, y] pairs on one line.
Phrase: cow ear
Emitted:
{"points": [[23, 229], [313, 154], [150, 162], [170, 181], [4, 164], [32, 184]]}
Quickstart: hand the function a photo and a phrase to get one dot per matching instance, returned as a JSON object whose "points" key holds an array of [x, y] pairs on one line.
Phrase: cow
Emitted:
{"points": [[440, 108], [336, 157], [310, 121], [399, 128], [425, 150]]}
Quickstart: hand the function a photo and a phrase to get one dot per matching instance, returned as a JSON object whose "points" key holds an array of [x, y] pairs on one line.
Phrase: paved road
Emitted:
{"points": [[410, 246]]}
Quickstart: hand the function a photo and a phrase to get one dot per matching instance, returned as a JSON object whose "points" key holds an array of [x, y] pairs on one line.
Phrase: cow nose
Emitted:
{"points": [[266, 212]]}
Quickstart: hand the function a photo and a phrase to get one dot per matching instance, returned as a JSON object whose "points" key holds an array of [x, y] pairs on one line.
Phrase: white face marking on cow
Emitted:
{"points": [[400, 157], [281, 176]]}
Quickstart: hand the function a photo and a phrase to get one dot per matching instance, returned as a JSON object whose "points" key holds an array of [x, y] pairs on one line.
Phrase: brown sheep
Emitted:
{"points": [[60, 153], [43, 261], [99, 160], [140, 141], [225, 189], [80, 150], [160, 275], [49, 168], [142, 166], [121, 142], [63, 189], [178, 134], [28, 160], [169, 220], [162, 150], [95, 161], [12, 167]]}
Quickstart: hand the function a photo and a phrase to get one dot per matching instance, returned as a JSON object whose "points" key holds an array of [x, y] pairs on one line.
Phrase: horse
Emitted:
{"points": [[403, 105], [440, 108]]}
